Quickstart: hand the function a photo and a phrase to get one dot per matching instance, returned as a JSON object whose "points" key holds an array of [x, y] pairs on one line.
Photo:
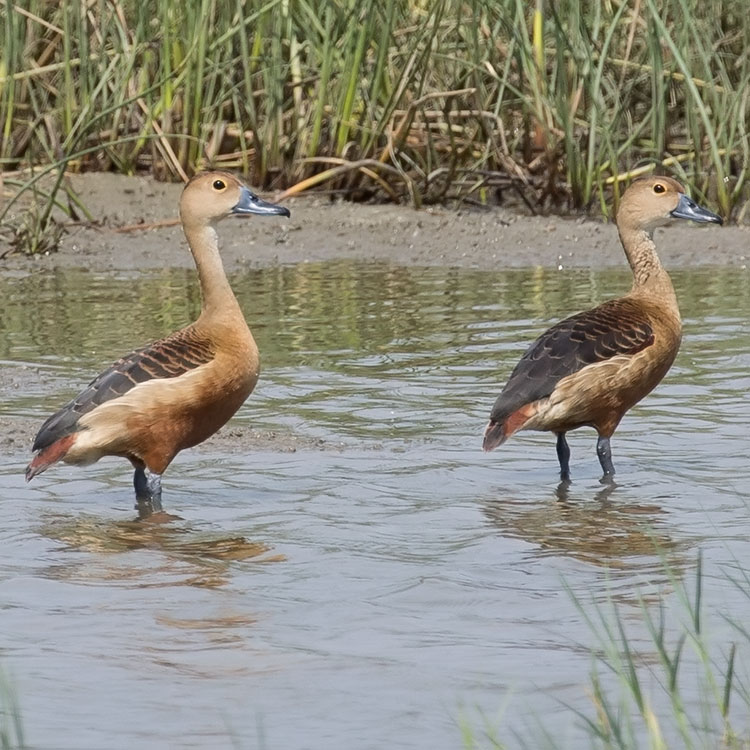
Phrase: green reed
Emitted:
{"points": [[669, 686], [418, 100], [11, 725]]}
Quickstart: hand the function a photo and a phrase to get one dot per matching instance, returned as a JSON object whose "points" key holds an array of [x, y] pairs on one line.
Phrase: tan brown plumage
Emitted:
{"points": [[176, 392], [168, 358], [589, 369]]}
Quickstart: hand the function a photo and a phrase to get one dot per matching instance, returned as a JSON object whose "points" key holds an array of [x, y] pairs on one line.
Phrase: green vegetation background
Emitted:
{"points": [[554, 103]]}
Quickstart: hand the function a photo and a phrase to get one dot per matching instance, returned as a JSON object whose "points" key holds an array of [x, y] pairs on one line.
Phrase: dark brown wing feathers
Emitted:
{"points": [[168, 358], [614, 328]]}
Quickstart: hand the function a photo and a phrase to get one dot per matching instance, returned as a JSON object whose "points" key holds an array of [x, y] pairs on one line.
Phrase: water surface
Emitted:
{"points": [[385, 579]]}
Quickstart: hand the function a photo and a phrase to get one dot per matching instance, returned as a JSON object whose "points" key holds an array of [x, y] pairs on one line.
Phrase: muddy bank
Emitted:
{"points": [[18, 435], [17, 432], [323, 230]]}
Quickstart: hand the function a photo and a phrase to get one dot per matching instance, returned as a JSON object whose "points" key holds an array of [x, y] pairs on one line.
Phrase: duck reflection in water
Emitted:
{"points": [[615, 533], [176, 541]]}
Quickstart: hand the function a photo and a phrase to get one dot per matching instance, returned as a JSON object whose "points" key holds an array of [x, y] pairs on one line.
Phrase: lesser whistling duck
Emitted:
{"points": [[176, 392], [589, 369]]}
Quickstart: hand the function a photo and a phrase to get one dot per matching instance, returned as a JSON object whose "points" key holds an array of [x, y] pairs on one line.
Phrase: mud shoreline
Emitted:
{"points": [[320, 230]]}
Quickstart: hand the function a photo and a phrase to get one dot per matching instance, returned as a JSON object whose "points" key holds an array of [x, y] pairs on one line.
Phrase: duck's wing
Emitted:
{"points": [[170, 357], [617, 327]]}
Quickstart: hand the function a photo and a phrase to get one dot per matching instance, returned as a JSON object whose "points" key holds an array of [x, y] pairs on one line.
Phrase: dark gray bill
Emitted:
{"points": [[249, 203], [689, 209]]}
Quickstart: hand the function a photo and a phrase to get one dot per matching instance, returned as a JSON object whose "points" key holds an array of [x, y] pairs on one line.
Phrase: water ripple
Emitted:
{"points": [[384, 572]]}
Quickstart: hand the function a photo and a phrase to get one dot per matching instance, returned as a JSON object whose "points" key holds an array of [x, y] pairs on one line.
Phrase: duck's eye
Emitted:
{"points": [[219, 184], [658, 188]]}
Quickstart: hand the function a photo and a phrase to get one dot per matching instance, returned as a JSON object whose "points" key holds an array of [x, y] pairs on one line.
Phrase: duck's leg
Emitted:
{"points": [[563, 456], [147, 491], [605, 457], [140, 482]]}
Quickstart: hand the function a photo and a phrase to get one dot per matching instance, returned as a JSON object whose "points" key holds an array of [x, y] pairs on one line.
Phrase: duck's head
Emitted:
{"points": [[651, 202], [210, 196]]}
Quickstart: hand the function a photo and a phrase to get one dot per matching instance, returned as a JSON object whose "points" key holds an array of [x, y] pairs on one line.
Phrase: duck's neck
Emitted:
{"points": [[217, 297], [649, 276]]}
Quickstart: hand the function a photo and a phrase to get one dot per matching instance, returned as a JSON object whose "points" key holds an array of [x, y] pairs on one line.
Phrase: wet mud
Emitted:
{"points": [[321, 229]]}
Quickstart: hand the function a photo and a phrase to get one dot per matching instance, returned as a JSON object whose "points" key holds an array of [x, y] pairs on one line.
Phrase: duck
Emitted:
{"points": [[591, 368], [176, 392]]}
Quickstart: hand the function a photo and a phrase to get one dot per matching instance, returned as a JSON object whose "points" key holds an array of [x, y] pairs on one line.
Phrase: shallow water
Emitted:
{"points": [[385, 579]]}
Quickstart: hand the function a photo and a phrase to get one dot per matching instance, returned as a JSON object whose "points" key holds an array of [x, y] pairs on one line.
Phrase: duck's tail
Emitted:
{"points": [[499, 430], [494, 435], [49, 455]]}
